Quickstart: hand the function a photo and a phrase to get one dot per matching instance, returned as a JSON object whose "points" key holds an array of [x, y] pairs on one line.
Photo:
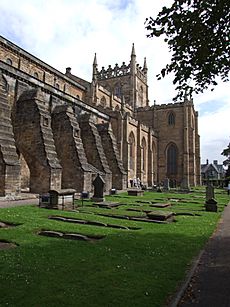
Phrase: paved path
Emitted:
{"points": [[21, 202], [210, 282]]}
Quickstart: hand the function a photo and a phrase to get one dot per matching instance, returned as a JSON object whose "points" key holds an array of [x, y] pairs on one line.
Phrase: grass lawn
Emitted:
{"points": [[139, 267]]}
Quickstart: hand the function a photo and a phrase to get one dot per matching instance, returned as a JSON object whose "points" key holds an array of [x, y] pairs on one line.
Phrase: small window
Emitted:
{"points": [[171, 119], [36, 75], [9, 61], [76, 133], [103, 102], [45, 121]]}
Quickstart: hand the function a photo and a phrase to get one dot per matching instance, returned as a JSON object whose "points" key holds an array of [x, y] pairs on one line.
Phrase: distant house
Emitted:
{"points": [[212, 172]]}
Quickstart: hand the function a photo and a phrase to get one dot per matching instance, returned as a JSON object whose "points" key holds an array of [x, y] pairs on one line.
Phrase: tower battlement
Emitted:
{"points": [[119, 71], [110, 72]]}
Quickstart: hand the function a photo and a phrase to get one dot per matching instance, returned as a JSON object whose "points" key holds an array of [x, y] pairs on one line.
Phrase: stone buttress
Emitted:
{"points": [[94, 149], [76, 171], [119, 177], [9, 162], [34, 139]]}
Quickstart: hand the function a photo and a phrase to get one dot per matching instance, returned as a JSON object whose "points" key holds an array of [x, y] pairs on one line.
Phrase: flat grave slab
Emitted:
{"points": [[160, 216], [160, 205], [93, 223], [107, 204], [135, 192], [6, 245], [69, 236], [147, 219]]}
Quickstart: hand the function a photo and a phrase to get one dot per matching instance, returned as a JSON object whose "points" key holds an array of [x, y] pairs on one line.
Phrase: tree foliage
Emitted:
{"points": [[198, 36], [226, 153]]}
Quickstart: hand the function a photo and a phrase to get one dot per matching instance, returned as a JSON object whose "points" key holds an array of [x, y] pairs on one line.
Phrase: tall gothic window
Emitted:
{"points": [[141, 96], [172, 160], [171, 119], [131, 151], [144, 154]]}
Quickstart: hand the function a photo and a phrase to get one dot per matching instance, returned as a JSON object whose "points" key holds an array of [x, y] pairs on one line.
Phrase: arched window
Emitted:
{"points": [[144, 154], [141, 95], [193, 122], [131, 151], [172, 160], [57, 86], [154, 157], [9, 61], [117, 108], [36, 75], [103, 102], [171, 119]]}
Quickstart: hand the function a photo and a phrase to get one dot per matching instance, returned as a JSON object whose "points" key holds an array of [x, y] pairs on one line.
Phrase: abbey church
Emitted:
{"points": [[59, 131]]}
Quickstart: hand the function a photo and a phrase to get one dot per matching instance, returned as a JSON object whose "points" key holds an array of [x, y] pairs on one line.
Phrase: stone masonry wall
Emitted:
{"points": [[94, 149], [76, 173], [9, 162], [119, 177], [34, 139]]}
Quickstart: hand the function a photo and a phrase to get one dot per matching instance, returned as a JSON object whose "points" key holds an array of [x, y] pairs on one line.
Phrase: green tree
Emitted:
{"points": [[226, 153], [198, 36]]}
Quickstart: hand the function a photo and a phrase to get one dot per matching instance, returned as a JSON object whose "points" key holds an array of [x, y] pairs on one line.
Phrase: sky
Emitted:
{"points": [[67, 33]]}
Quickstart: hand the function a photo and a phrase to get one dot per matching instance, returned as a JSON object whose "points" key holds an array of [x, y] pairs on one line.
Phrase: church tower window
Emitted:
{"points": [[141, 96], [171, 119], [117, 90]]}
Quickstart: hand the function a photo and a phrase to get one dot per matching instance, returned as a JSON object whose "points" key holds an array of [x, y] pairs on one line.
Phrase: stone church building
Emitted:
{"points": [[59, 131]]}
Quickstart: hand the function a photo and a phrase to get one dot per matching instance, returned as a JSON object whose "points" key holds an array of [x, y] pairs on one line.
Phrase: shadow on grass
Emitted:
{"points": [[124, 269]]}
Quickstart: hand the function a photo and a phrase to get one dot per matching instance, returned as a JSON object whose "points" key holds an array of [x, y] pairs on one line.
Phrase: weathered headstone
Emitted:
{"points": [[98, 184], [185, 185], [211, 203], [166, 186], [209, 192]]}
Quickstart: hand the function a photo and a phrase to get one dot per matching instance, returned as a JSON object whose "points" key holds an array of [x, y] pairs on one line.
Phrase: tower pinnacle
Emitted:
{"points": [[133, 53], [95, 67]]}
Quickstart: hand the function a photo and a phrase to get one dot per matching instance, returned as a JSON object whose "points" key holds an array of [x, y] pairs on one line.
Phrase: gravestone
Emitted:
{"points": [[209, 192], [211, 203], [166, 186], [98, 184], [184, 186]]}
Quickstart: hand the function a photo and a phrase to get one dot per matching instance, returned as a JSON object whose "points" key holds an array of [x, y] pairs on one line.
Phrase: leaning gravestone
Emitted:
{"points": [[98, 184], [211, 203]]}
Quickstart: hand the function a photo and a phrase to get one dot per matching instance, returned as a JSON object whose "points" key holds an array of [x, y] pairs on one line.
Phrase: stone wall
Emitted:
{"points": [[76, 172], [119, 177], [9, 161], [93, 148], [34, 139]]}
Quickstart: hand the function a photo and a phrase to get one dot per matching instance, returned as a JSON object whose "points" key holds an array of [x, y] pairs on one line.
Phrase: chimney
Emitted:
{"points": [[207, 161], [68, 70]]}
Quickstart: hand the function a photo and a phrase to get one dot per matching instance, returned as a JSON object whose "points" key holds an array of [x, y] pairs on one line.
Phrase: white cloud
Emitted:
{"points": [[68, 32]]}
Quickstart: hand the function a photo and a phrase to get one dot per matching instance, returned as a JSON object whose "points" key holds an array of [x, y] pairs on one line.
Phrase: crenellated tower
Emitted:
{"points": [[127, 82]]}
